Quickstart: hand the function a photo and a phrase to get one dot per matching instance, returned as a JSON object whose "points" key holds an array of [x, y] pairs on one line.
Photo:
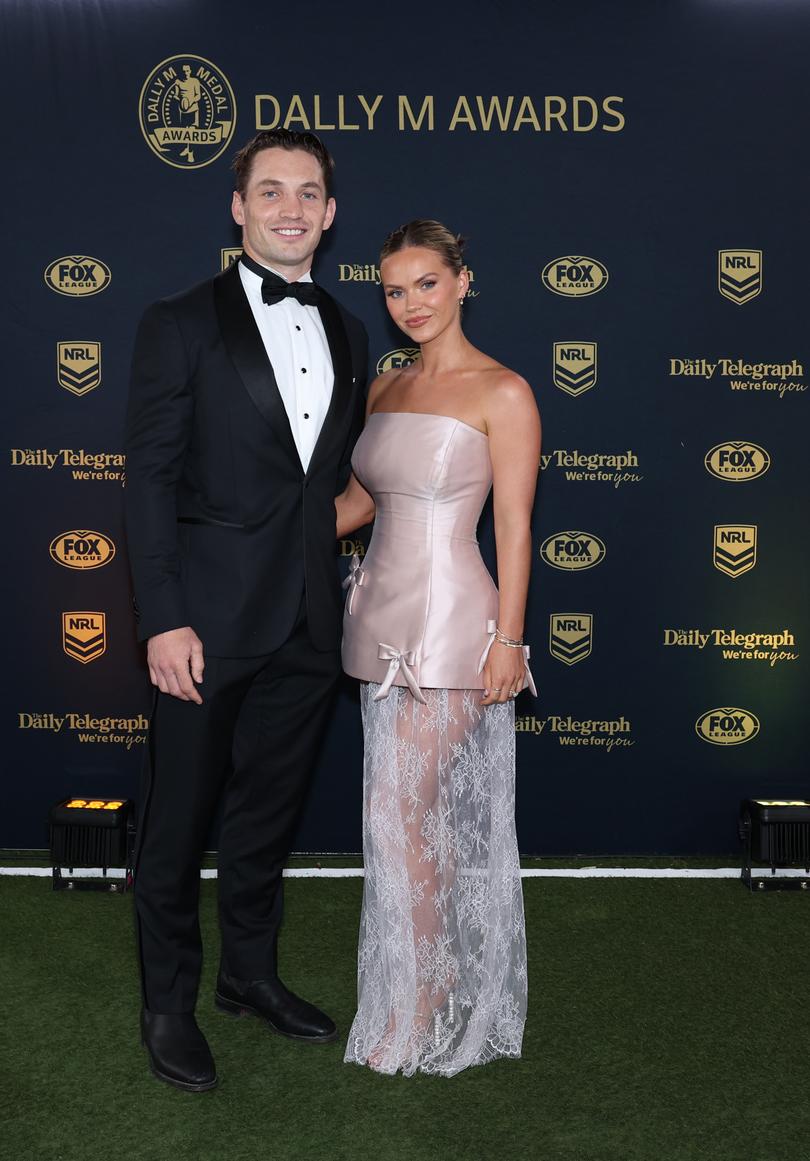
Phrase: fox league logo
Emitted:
{"points": [[727, 726], [737, 461], [82, 549], [570, 636], [739, 274], [401, 357], [187, 111], [78, 275], [735, 548], [574, 366], [573, 551], [78, 365], [574, 276]]}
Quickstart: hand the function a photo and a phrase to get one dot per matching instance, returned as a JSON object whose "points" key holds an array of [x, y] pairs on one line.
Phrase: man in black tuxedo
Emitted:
{"points": [[245, 402]]}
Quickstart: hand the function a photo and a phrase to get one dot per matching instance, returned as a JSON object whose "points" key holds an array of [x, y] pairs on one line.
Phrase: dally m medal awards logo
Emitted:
{"points": [[575, 366], [401, 357], [573, 551], [735, 548], [78, 365], [737, 460], [82, 549], [727, 726], [78, 275], [84, 635], [739, 274], [570, 636], [187, 111], [574, 276]]}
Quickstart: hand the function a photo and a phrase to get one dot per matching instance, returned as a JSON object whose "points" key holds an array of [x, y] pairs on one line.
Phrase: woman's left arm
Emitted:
{"points": [[513, 426]]}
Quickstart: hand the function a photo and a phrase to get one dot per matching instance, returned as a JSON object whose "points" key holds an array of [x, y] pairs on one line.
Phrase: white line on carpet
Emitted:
{"points": [[529, 873]]}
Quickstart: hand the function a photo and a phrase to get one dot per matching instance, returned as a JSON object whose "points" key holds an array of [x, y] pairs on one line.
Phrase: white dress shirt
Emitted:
{"points": [[296, 345]]}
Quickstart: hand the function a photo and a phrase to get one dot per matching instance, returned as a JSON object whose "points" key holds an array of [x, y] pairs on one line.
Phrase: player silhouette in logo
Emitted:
{"points": [[187, 93]]}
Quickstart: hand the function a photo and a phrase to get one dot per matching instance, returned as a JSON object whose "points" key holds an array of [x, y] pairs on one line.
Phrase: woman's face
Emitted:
{"points": [[422, 293]]}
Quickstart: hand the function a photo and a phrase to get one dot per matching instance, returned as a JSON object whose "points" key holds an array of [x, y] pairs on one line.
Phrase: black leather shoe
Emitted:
{"points": [[178, 1051], [282, 1011]]}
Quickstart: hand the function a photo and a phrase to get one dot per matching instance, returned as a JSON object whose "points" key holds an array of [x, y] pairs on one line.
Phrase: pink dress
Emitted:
{"points": [[442, 958]]}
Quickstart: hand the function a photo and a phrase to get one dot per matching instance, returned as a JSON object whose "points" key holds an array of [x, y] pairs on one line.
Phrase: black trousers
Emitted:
{"points": [[253, 743]]}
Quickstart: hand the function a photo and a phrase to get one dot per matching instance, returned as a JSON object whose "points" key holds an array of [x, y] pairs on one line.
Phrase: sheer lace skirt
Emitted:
{"points": [[442, 958]]}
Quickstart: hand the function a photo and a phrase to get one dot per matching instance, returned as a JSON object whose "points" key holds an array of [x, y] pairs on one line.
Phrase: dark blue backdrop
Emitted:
{"points": [[647, 137]]}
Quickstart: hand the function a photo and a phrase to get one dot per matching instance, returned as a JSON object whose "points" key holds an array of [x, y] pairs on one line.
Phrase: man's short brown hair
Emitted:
{"points": [[282, 139]]}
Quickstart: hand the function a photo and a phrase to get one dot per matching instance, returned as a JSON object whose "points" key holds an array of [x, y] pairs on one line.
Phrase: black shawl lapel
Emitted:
{"points": [[333, 432], [246, 349]]}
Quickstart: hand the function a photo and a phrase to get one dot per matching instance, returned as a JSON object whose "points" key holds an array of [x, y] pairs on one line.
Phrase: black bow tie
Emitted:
{"points": [[275, 288]]}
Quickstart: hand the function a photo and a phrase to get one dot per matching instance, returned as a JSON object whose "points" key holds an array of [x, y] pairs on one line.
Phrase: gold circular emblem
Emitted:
{"points": [[187, 111]]}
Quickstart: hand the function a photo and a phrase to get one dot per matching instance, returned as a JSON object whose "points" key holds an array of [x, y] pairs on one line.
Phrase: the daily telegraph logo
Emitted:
{"points": [[776, 379], [573, 551], [351, 548], [593, 467], [734, 548], [401, 357], [609, 734], [355, 272], [84, 635], [228, 255], [737, 461], [88, 727], [739, 274], [82, 549], [187, 111], [736, 645], [575, 276], [78, 365], [83, 465], [570, 636], [727, 726], [77, 275], [574, 366], [369, 273]]}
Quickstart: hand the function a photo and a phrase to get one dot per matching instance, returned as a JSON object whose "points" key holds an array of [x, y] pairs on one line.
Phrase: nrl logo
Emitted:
{"points": [[570, 636], [78, 365], [735, 548], [401, 357], [737, 461], [727, 726], [84, 636], [739, 274], [575, 366], [228, 255], [573, 551]]}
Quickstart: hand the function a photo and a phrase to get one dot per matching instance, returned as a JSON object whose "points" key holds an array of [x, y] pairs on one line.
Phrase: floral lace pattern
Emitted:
{"points": [[442, 960]]}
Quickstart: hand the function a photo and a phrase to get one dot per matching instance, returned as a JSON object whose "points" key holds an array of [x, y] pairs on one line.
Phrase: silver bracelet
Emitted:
{"points": [[502, 639]]}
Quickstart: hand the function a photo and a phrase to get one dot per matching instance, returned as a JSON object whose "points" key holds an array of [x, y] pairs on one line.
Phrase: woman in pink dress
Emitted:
{"points": [[439, 652]]}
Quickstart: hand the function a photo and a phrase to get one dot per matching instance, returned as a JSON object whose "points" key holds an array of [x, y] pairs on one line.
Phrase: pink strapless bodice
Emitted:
{"points": [[421, 602]]}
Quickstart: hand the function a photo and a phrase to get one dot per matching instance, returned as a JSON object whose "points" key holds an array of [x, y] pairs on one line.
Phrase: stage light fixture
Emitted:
{"points": [[775, 831], [91, 832]]}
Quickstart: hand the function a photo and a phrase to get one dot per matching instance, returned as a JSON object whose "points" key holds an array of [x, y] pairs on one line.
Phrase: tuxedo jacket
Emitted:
{"points": [[225, 529]]}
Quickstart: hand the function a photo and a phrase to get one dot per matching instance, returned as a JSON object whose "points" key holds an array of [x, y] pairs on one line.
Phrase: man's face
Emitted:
{"points": [[284, 210]]}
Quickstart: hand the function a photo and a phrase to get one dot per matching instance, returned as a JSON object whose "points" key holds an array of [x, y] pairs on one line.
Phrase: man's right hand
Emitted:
{"points": [[175, 661]]}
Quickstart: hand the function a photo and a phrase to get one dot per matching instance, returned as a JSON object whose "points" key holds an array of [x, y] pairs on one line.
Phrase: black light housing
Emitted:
{"points": [[92, 832], [775, 831]]}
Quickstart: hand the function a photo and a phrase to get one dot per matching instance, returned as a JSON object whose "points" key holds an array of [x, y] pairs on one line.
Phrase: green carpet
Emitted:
{"points": [[668, 1021]]}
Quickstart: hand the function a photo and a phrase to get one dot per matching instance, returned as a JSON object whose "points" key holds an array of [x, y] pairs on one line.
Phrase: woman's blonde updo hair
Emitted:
{"points": [[429, 235]]}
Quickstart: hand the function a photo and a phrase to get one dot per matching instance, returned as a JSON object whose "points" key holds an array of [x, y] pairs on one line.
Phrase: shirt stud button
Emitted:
{"points": [[303, 370]]}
